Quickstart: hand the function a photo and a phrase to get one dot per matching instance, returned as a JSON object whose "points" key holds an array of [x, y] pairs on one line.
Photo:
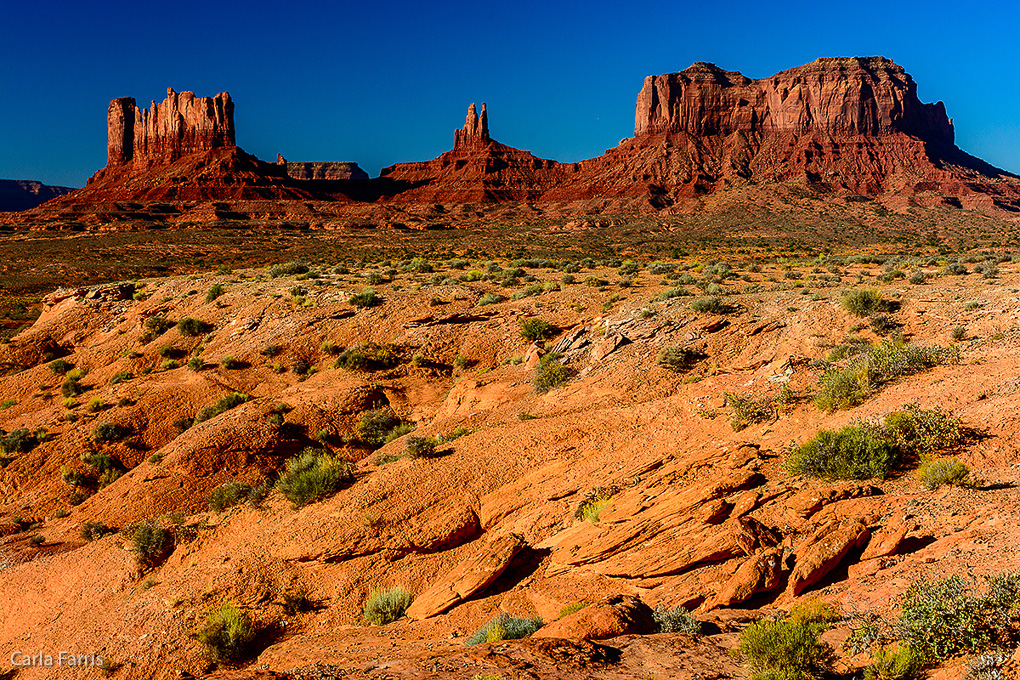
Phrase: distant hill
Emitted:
{"points": [[22, 194]]}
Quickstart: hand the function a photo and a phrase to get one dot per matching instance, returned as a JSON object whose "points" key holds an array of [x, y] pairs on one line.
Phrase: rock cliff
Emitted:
{"points": [[182, 124], [21, 194], [324, 170]]}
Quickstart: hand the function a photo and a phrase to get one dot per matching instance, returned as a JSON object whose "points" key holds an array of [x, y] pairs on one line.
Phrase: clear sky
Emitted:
{"points": [[383, 82]]}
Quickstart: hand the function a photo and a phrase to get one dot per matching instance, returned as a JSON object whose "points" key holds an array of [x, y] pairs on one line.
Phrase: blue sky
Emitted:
{"points": [[383, 82]]}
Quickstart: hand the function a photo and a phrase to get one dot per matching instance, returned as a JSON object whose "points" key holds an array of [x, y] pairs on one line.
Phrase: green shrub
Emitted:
{"points": [[864, 302], [934, 473], [550, 373], [192, 327], [150, 543], [95, 405], [169, 364], [296, 601], [230, 363], [786, 649], [943, 617], [490, 299], [72, 387], [21, 440], [420, 447], [366, 298], [156, 326], [568, 609], [460, 361], [60, 366], [228, 634], [330, 348], [707, 305], [920, 431], [369, 356], [506, 627], [223, 405], [593, 504], [677, 358], [749, 410], [121, 376], [858, 451], [288, 269], [99, 460], [110, 432], [195, 364], [671, 293], [312, 476], [375, 426], [897, 661], [533, 330], [7, 403], [676, 620], [93, 531], [214, 292], [227, 495], [386, 605]]}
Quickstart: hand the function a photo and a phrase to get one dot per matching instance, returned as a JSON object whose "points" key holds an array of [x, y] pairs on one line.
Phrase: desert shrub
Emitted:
{"points": [[934, 473], [311, 476], [550, 373], [943, 617], [374, 426], [676, 357], [270, 351], [918, 278], [506, 627], [156, 326], [296, 601], [121, 376], [533, 330], [786, 648], [671, 293], [230, 363], [20, 440], [61, 366], [864, 302], [150, 543], [386, 605], [366, 357], [93, 531], [228, 634], [922, 431], [192, 327], [330, 348], [214, 292], [573, 607], [366, 298], [169, 364], [675, 620], [749, 410], [958, 333], [707, 305], [594, 502], [988, 666], [7, 403], [223, 405], [420, 447], [291, 268], [227, 495], [72, 387], [858, 451], [460, 361], [110, 432], [99, 460], [195, 364], [95, 405], [897, 661], [954, 269], [490, 299]]}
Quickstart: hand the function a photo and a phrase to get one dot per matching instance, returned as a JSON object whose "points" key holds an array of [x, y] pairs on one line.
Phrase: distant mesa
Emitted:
{"points": [[322, 170], [22, 194]]}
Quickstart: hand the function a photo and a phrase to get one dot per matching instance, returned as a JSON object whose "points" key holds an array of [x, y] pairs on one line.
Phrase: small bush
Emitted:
{"points": [[490, 299], [550, 373], [676, 620], [420, 447], [787, 648], [224, 404], [366, 298], [864, 302], [230, 363], [297, 601], [749, 410], [856, 452], [934, 473], [95, 405], [21, 440], [958, 333], [71, 388], [369, 356], [312, 476], [214, 292], [228, 634], [677, 358], [573, 607], [709, 305], [156, 326], [506, 627], [121, 376], [920, 431], [386, 605], [533, 330], [150, 543], [944, 617], [292, 268], [375, 425], [192, 327], [93, 531], [227, 495], [109, 432], [195, 364], [897, 661], [61, 366]]}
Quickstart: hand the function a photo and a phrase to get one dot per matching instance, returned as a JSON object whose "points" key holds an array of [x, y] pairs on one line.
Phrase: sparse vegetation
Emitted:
{"points": [[369, 356], [228, 634], [223, 405], [550, 373], [533, 330], [676, 620], [708, 305], [863, 302], [677, 358], [506, 627], [788, 648], [93, 531], [312, 476], [229, 494], [386, 605], [215, 291], [366, 298], [192, 327], [420, 447], [150, 543], [106, 432], [934, 473]]}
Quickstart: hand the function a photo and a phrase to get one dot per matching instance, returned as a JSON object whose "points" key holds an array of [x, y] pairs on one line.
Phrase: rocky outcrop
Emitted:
{"points": [[182, 124], [21, 194], [839, 96], [610, 617], [475, 131], [323, 170]]}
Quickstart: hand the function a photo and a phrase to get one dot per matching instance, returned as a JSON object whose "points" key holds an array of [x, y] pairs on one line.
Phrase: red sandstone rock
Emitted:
{"points": [[760, 574], [608, 618], [824, 549]]}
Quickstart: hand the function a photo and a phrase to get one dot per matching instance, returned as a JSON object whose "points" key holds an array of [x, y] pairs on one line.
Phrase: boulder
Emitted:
{"points": [[760, 574], [608, 618], [809, 501], [824, 549]]}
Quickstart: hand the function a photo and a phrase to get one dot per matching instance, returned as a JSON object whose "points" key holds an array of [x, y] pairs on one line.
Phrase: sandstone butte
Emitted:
{"points": [[840, 126]]}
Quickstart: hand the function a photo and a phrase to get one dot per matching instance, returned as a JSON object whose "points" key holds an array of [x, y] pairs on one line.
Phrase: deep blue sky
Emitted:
{"points": [[382, 82]]}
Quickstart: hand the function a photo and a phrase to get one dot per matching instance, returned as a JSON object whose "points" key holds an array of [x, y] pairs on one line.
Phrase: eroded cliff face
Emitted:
{"points": [[182, 124], [838, 96]]}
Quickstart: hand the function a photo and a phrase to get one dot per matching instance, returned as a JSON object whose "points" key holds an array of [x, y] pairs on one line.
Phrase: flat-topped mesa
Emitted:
{"points": [[182, 124], [841, 96], [475, 130]]}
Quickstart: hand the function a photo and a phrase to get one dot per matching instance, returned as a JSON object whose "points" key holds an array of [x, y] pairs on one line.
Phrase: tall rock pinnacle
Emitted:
{"points": [[475, 130]]}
